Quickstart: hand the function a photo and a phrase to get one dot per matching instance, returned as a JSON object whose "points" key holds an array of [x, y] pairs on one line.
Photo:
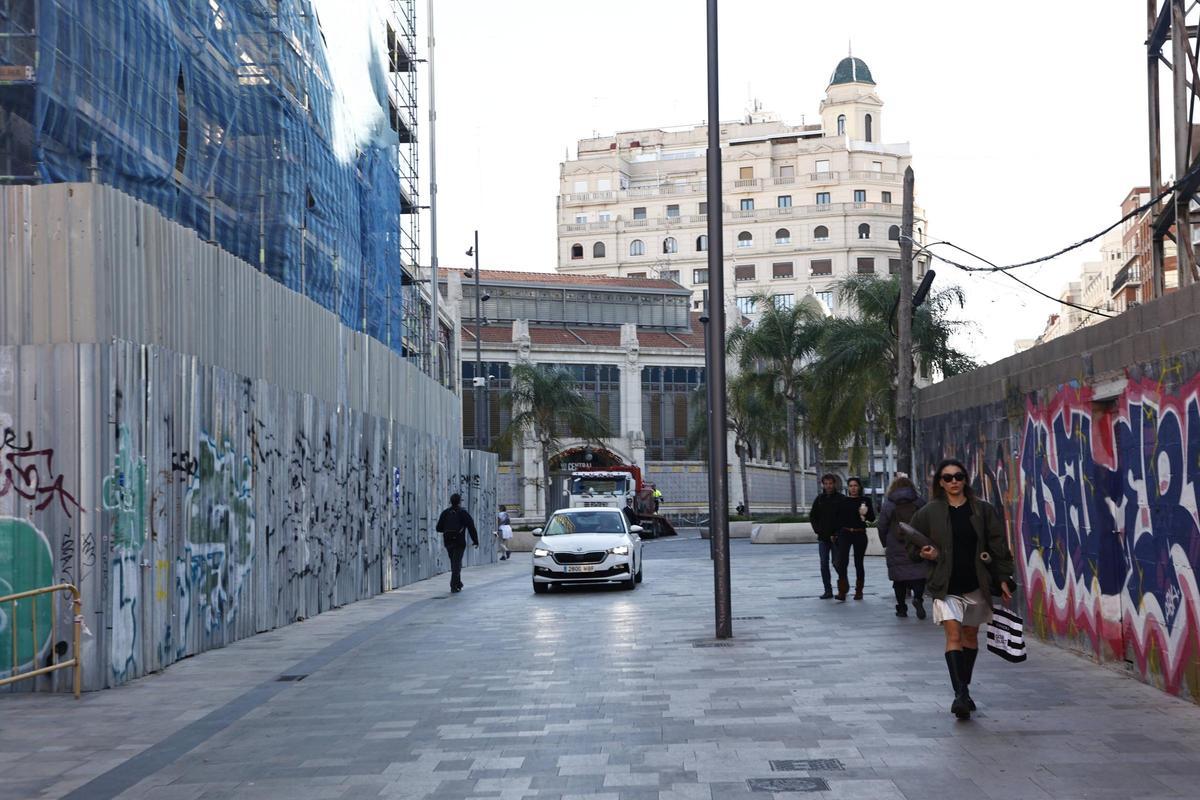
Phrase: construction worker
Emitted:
{"points": [[657, 495]]}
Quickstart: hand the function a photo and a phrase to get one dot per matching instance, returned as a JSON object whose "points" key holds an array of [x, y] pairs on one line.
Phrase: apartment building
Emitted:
{"points": [[805, 205]]}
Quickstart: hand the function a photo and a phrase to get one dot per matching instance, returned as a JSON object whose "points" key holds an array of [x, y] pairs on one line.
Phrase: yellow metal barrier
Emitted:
{"points": [[77, 608]]}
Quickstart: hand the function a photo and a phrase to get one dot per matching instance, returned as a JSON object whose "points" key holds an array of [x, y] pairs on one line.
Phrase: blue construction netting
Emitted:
{"points": [[222, 114]]}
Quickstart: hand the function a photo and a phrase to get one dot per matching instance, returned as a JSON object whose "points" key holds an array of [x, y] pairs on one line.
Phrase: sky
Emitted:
{"points": [[1027, 121]]}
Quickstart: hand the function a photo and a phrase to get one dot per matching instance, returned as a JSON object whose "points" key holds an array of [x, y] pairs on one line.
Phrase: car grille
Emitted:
{"points": [[580, 558]]}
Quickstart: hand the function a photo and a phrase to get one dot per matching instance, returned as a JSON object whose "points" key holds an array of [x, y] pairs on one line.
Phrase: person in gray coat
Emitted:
{"points": [[907, 576]]}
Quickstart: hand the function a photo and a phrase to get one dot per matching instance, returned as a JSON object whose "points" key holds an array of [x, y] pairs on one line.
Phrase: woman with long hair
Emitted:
{"points": [[854, 512], [964, 538], [907, 575]]}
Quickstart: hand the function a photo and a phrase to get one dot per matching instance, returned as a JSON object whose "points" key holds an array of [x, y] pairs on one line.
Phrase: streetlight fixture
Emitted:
{"points": [[480, 380]]}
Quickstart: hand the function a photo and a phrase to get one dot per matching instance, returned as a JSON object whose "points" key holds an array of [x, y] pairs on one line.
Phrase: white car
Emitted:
{"points": [[587, 545]]}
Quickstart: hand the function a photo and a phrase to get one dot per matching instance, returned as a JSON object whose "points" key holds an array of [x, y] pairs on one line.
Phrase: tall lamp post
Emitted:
{"points": [[480, 380]]}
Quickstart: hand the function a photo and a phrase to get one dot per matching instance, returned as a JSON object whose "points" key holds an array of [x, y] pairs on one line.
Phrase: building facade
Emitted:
{"points": [[805, 205]]}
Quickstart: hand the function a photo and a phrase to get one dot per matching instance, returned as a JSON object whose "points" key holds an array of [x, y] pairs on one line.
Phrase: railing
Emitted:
{"points": [[748, 183], [34, 646]]}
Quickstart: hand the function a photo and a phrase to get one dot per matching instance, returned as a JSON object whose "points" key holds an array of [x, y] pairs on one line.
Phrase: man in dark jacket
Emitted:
{"points": [[824, 519], [454, 524]]}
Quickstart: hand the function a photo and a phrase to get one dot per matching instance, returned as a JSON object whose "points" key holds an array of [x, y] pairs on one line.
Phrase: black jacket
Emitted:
{"points": [[456, 519], [848, 516], [824, 514]]}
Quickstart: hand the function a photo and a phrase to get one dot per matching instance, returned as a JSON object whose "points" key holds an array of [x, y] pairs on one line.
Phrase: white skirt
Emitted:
{"points": [[506, 531], [973, 610]]}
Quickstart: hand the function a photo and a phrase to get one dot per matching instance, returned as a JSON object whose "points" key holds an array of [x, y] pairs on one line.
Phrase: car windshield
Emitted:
{"points": [[585, 522], [596, 486]]}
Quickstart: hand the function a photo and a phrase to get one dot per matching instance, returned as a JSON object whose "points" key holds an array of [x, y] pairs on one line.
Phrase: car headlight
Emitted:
{"points": [[540, 552], [620, 550]]}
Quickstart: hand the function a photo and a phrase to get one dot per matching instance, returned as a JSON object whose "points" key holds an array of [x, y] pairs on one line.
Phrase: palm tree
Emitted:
{"points": [[853, 378], [754, 417], [546, 406], [776, 348]]}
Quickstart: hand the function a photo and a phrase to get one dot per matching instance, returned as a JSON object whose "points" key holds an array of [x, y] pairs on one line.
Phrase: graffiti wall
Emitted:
{"points": [[194, 507], [1099, 482]]}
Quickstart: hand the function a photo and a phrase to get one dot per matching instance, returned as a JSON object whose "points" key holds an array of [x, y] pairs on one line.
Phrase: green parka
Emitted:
{"points": [[933, 520]]}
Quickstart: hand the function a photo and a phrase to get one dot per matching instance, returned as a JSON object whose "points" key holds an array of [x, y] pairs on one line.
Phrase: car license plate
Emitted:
{"points": [[580, 568]]}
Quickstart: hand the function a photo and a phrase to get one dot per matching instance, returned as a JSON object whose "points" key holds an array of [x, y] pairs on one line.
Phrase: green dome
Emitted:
{"points": [[851, 70]]}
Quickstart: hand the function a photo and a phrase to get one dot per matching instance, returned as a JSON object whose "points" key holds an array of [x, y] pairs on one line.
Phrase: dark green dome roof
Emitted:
{"points": [[851, 70]]}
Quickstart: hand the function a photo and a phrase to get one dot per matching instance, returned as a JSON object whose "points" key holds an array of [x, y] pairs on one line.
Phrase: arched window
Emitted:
{"points": [[920, 238], [821, 233], [894, 233], [841, 125], [869, 127], [598, 250], [670, 245], [783, 236], [576, 251], [702, 243], [864, 231], [745, 239], [637, 248]]}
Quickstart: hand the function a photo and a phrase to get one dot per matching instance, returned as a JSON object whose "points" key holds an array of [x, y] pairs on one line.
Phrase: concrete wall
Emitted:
{"points": [[1091, 446], [193, 500]]}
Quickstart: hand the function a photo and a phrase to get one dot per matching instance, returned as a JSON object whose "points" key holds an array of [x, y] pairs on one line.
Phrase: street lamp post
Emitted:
{"points": [[480, 381]]}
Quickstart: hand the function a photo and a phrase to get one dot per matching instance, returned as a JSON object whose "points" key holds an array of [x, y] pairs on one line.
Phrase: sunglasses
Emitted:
{"points": [[953, 476]]}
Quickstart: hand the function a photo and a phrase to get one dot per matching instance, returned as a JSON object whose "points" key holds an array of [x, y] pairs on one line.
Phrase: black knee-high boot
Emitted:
{"points": [[954, 662], [969, 654]]}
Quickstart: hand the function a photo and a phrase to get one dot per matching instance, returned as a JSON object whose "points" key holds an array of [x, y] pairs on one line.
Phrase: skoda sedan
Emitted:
{"points": [[587, 545]]}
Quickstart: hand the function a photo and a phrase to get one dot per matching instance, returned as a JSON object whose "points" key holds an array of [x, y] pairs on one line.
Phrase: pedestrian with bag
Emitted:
{"points": [[503, 532], [906, 574], [824, 520], [966, 542], [454, 524], [855, 511]]}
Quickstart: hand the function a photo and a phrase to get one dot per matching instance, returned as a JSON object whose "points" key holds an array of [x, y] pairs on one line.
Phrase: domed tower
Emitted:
{"points": [[851, 106]]}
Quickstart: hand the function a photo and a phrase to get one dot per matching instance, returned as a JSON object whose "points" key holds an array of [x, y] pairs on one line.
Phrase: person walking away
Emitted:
{"points": [[959, 529], [824, 520], [855, 512], [504, 532], [454, 524], [907, 575]]}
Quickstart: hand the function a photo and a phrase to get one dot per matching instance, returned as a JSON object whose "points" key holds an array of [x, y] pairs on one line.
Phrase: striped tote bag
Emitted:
{"points": [[1006, 635]]}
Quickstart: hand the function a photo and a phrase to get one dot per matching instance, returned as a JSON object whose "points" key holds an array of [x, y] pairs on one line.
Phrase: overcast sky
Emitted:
{"points": [[1027, 120]]}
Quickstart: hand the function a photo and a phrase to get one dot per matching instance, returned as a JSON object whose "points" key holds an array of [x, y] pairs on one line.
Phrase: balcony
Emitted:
{"points": [[590, 197], [747, 183], [1130, 275], [872, 175]]}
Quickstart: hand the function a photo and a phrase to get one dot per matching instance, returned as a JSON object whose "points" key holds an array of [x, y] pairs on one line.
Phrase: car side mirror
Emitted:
{"points": [[636, 529], [536, 531]]}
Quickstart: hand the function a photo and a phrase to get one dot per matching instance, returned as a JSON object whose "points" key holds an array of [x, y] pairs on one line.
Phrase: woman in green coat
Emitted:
{"points": [[965, 539]]}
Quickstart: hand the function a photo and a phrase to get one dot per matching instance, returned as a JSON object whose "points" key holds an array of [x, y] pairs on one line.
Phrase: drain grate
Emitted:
{"points": [[806, 765], [713, 644], [787, 784], [287, 678], [736, 619]]}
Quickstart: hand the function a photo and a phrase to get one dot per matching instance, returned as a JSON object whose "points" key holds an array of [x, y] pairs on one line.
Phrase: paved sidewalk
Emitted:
{"points": [[607, 694]]}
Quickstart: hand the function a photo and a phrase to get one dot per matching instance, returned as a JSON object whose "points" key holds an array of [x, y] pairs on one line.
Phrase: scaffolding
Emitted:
{"points": [[223, 115]]}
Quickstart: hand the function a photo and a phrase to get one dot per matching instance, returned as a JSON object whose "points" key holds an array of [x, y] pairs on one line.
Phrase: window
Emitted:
{"points": [[860, 195], [700, 276], [669, 275], [876, 166], [670, 245], [604, 216], [864, 231], [601, 385], [822, 198], [894, 266], [703, 209], [702, 243], [870, 128], [745, 239], [821, 234], [581, 219], [673, 212], [787, 171], [823, 167], [671, 399], [747, 305], [639, 212], [743, 272], [885, 197], [746, 173], [576, 251], [783, 301], [580, 187], [841, 125], [781, 270], [598, 250], [784, 201], [825, 299], [635, 275], [498, 412], [604, 185], [783, 236], [894, 233], [637, 248], [866, 266], [746, 204], [821, 266]]}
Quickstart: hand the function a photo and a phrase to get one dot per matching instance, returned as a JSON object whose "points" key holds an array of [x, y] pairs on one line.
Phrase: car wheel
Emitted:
{"points": [[630, 584], [639, 573], [540, 588]]}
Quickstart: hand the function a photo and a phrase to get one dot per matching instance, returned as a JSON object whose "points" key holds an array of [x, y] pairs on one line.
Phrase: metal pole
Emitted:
{"points": [[904, 363], [1185, 259], [708, 409], [718, 523], [480, 379], [435, 325], [1157, 280]]}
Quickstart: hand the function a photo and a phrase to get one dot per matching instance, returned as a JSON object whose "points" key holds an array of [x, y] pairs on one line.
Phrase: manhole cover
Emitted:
{"points": [[806, 764], [787, 785], [291, 677]]}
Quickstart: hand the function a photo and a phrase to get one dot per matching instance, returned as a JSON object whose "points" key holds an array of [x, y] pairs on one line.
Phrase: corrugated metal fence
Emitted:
{"points": [[205, 453]]}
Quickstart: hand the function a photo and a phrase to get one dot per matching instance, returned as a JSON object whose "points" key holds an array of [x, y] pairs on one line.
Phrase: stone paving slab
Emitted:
{"points": [[599, 693]]}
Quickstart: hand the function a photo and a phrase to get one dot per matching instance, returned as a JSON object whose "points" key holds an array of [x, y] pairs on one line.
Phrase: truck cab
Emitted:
{"points": [[600, 489]]}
